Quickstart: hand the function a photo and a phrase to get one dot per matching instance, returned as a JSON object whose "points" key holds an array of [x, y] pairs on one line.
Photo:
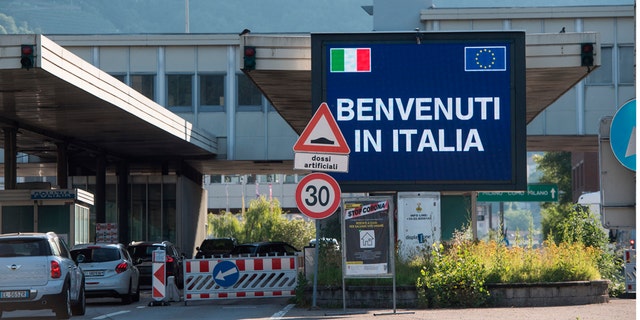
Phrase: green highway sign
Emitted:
{"points": [[534, 193]]}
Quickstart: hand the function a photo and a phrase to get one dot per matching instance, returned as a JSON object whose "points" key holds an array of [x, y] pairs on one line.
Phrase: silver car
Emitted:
{"points": [[37, 272], [108, 270]]}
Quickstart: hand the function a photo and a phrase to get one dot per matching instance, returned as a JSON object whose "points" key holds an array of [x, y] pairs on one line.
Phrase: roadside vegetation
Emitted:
{"points": [[264, 220], [456, 273]]}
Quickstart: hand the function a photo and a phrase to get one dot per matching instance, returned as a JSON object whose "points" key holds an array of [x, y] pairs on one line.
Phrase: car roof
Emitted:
{"points": [[99, 244], [219, 240], [263, 243], [150, 243], [40, 235]]}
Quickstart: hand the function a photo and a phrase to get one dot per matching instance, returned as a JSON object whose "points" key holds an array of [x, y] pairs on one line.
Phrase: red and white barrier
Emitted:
{"points": [[158, 275], [230, 278]]}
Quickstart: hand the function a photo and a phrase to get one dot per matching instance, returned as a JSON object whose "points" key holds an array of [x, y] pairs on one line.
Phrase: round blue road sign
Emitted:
{"points": [[623, 135], [226, 274]]}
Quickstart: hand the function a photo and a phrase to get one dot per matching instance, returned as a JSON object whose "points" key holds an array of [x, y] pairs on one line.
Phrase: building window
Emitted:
{"points": [[211, 90], [145, 84], [248, 93], [289, 178], [626, 65], [603, 75], [179, 91], [232, 179]]}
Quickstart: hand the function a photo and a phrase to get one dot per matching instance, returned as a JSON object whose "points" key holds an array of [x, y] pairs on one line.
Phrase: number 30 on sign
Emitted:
{"points": [[318, 195]]}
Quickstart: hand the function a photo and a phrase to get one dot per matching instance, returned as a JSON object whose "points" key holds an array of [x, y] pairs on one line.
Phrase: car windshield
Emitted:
{"points": [[144, 252], [98, 254], [23, 247]]}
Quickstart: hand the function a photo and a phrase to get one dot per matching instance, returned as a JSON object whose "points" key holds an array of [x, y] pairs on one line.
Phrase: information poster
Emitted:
{"points": [[367, 225], [418, 222], [107, 232]]}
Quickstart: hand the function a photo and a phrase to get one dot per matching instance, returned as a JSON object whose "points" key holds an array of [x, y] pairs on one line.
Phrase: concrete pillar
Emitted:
{"points": [[10, 154], [100, 195], [62, 165], [123, 202]]}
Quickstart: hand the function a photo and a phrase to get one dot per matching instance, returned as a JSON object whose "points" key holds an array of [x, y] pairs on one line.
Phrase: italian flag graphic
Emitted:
{"points": [[351, 60]]}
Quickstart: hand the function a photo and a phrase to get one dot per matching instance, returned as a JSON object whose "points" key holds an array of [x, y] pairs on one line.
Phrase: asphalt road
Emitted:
{"points": [[618, 309], [282, 308]]}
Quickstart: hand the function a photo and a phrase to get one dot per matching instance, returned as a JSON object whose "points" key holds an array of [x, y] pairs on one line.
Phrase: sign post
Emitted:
{"points": [[318, 195], [321, 146]]}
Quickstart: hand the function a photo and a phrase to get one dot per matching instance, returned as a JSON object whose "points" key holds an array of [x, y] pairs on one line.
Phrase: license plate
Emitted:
{"points": [[94, 273], [14, 294]]}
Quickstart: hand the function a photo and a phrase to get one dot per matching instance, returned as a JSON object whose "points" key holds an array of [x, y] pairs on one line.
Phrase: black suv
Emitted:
{"points": [[142, 252], [215, 248], [260, 249]]}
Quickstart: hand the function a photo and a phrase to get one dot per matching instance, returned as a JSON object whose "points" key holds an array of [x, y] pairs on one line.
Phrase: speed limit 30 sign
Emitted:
{"points": [[318, 195]]}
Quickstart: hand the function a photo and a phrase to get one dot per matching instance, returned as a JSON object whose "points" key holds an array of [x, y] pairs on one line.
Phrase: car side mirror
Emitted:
{"points": [[80, 258]]}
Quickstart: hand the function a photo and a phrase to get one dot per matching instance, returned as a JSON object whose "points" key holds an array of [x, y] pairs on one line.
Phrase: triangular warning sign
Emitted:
{"points": [[322, 134]]}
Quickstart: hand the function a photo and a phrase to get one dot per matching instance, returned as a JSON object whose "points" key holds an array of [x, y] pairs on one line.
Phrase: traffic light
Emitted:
{"points": [[26, 56], [249, 58], [586, 55]]}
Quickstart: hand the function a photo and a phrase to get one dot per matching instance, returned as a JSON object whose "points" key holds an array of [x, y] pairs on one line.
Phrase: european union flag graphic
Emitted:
{"points": [[485, 58]]}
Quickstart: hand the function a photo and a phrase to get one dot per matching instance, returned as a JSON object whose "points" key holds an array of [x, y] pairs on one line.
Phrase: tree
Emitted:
{"points": [[224, 225], [564, 221], [263, 221], [556, 168]]}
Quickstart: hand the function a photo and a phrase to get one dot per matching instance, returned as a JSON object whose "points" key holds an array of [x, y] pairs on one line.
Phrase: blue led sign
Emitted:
{"points": [[443, 113]]}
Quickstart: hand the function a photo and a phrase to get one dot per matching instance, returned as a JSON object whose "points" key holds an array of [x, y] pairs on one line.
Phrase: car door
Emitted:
{"points": [[75, 273]]}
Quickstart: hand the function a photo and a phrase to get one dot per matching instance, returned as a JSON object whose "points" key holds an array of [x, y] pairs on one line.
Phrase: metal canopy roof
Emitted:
{"points": [[63, 99]]}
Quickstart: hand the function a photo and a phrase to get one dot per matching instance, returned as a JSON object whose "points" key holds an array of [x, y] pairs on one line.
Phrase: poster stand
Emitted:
{"points": [[368, 242]]}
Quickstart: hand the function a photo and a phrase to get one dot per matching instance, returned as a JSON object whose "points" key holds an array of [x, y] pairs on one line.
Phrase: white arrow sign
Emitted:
{"points": [[222, 275]]}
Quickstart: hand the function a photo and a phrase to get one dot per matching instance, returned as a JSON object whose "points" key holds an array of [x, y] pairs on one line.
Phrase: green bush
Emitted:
{"points": [[453, 280], [457, 276]]}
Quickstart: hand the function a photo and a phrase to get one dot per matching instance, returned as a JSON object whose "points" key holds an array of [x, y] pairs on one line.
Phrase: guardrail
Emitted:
{"points": [[241, 277]]}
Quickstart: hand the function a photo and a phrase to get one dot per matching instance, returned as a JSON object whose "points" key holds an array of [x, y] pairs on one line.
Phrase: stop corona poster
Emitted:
{"points": [[367, 237]]}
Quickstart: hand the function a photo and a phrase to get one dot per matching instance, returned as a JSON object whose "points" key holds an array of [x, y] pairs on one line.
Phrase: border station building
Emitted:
{"points": [[163, 128]]}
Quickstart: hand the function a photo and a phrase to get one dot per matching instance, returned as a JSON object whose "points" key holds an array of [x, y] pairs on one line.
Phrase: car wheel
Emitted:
{"points": [[80, 307], [63, 310], [136, 296], [128, 297]]}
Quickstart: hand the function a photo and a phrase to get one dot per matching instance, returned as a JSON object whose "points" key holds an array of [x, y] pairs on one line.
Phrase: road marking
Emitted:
{"points": [[281, 313], [109, 315]]}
